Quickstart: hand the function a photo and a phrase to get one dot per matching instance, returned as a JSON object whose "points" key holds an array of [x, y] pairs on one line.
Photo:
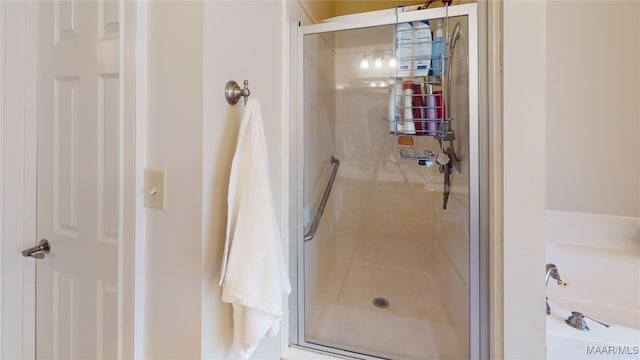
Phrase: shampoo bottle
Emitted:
{"points": [[437, 49], [440, 105], [404, 49], [396, 101], [421, 48], [431, 112], [418, 110], [408, 126]]}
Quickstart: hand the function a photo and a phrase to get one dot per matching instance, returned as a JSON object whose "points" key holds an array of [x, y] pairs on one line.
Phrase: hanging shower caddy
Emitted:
{"points": [[428, 94]]}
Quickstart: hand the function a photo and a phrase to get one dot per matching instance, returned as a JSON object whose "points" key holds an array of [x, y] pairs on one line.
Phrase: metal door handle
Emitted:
{"points": [[323, 202], [38, 251]]}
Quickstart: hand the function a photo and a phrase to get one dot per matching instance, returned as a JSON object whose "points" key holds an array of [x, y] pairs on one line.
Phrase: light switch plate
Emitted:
{"points": [[154, 188]]}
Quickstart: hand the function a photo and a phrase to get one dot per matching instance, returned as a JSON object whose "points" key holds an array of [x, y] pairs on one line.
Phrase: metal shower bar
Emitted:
{"points": [[309, 235]]}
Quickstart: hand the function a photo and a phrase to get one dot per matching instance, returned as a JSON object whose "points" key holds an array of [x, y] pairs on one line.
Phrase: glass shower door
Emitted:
{"points": [[392, 270]]}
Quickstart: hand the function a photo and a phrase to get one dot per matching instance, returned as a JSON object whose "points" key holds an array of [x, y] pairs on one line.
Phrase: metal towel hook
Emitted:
{"points": [[233, 92]]}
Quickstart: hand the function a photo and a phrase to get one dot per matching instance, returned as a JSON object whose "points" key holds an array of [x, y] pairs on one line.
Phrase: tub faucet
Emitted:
{"points": [[552, 272], [576, 320]]}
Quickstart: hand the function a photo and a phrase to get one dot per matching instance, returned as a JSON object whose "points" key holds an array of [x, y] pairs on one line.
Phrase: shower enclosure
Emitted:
{"points": [[387, 251]]}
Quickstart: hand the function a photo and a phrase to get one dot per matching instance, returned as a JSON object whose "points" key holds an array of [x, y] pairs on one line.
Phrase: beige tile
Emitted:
{"points": [[366, 253], [358, 289], [403, 254], [429, 304], [345, 248], [335, 282], [384, 334], [394, 259], [395, 286]]}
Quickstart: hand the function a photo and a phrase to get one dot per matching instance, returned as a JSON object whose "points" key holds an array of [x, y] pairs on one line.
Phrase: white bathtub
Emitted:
{"points": [[599, 257], [599, 342]]}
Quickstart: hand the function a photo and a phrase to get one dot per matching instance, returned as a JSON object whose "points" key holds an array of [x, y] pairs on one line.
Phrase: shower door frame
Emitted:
{"points": [[477, 312]]}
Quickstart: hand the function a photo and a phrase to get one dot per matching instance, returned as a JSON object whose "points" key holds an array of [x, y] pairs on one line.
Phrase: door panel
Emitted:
{"points": [[393, 270], [79, 179]]}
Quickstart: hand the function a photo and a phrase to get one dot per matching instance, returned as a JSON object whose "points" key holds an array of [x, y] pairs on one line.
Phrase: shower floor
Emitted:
{"points": [[385, 247], [414, 326]]}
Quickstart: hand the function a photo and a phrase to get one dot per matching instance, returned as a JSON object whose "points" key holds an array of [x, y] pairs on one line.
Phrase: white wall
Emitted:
{"points": [[17, 179], [174, 142], [524, 111], [242, 40], [593, 92], [194, 49]]}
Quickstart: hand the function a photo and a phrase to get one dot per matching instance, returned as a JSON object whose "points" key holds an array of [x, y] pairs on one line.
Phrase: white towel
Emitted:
{"points": [[253, 276]]}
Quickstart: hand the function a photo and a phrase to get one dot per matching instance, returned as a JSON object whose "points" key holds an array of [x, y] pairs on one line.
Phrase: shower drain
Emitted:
{"points": [[381, 303]]}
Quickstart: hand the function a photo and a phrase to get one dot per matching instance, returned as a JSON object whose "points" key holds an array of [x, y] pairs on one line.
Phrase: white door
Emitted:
{"points": [[83, 287]]}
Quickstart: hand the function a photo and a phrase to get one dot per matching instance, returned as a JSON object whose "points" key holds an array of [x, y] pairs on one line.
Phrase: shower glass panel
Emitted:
{"points": [[390, 272]]}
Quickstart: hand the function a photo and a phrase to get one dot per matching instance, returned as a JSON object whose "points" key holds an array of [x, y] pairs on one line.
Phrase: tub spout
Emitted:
{"points": [[552, 272]]}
